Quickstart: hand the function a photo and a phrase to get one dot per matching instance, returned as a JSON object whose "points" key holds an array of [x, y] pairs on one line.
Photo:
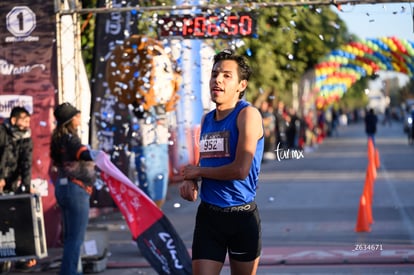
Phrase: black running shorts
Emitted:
{"points": [[235, 230]]}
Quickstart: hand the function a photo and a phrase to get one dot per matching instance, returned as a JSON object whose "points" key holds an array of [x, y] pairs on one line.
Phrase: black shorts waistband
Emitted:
{"points": [[248, 207]]}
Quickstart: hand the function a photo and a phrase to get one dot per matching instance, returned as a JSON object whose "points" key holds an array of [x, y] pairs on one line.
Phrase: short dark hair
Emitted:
{"points": [[228, 54], [18, 111]]}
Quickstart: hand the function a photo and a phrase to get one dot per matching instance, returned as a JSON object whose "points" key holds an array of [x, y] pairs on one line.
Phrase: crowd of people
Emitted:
{"points": [[286, 128]]}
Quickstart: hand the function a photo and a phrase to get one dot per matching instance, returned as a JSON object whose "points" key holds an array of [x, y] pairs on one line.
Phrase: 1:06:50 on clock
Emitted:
{"points": [[207, 26]]}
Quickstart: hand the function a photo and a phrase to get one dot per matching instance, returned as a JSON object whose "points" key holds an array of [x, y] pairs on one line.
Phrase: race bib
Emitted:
{"points": [[215, 145]]}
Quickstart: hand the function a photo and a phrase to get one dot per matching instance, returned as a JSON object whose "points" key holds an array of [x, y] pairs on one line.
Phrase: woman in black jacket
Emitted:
{"points": [[73, 186]]}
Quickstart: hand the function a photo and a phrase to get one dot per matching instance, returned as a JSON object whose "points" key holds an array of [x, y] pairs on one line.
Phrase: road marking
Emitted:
{"points": [[404, 216]]}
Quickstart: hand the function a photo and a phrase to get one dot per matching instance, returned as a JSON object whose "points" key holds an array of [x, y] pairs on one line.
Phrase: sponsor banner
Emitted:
{"points": [[8, 102], [108, 116], [28, 78], [157, 239], [162, 247]]}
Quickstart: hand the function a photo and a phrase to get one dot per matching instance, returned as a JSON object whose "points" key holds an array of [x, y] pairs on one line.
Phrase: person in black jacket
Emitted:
{"points": [[371, 121], [76, 176], [16, 148]]}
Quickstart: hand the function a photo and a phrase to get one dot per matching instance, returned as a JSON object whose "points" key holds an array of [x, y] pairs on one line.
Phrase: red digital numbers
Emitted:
{"points": [[199, 26], [187, 22], [246, 25], [213, 28], [203, 26]]}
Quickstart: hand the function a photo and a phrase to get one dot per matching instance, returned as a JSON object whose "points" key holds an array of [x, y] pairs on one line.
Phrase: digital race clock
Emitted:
{"points": [[207, 26]]}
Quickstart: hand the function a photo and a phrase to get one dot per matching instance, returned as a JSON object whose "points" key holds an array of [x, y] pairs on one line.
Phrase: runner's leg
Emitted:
{"points": [[206, 267], [244, 268]]}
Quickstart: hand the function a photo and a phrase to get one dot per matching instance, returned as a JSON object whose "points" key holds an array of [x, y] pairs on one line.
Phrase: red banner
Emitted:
{"points": [[156, 238], [139, 210]]}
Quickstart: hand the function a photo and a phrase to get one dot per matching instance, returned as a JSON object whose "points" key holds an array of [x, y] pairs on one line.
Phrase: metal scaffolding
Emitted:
{"points": [[74, 8], [73, 85]]}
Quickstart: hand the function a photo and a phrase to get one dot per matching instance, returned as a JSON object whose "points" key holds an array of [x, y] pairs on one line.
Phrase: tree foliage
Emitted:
{"points": [[291, 41]]}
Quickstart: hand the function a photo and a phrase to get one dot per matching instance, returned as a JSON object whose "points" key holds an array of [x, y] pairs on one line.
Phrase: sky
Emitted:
{"points": [[379, 20]]}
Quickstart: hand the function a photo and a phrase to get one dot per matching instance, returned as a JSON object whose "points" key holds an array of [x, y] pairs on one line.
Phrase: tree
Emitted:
{"points": [[290, 41]]}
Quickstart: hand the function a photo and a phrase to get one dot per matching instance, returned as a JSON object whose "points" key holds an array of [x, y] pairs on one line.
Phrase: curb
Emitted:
{"points": [[307, 255]]}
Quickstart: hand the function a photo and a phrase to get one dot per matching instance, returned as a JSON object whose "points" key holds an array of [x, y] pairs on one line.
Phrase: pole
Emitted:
{"points": [[189, 108]]}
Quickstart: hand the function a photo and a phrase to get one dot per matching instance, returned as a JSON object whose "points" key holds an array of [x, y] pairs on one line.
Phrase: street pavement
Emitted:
{"points": [[309, 206]]}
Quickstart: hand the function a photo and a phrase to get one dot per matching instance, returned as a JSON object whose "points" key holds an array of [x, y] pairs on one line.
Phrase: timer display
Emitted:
{"points": [[207, 26]]}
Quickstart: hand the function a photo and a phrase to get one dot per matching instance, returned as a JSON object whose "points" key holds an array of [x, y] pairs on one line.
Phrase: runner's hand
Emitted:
{"points": [[190, 172], [189, 190]]}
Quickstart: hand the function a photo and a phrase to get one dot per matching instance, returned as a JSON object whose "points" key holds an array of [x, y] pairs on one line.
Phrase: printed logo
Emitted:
{"points": [[236, 253], [11, 69], [21, 21], [282, 153], [8, 243], [169, 243], [8, 102]]}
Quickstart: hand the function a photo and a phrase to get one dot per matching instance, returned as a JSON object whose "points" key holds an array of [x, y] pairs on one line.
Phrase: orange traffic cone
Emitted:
{"points": [[371, 149], [371, 157], [371, 171], [373, 168], [362, 224], [377, 159], [368, 194]]}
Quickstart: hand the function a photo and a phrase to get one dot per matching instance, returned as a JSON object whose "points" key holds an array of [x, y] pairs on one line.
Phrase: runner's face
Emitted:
{"points": [[22, 122], [225, 86]]}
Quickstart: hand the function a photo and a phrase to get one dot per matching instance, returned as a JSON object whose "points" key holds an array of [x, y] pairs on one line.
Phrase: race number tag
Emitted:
{"points": [[215, 145]]}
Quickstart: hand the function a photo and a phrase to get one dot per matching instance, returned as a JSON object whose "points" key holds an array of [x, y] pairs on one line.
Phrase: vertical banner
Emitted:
{"points": [[108, 130], [27, 78]]}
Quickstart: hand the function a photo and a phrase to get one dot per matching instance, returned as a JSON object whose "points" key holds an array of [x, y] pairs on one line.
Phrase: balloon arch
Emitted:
{"points": [[342, 67]]}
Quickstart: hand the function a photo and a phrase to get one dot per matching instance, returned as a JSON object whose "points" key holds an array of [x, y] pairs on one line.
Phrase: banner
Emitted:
{"points": [[108, 117], [155, 236], [28, 78]]}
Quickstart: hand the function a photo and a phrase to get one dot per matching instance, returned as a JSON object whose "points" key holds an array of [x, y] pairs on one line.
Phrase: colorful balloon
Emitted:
{"points": [[342, 67]]}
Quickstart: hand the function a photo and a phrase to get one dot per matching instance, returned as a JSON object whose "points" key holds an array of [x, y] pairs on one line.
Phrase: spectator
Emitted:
{"points": [[292, 129], [73, 186], [310, 129], [387, 116], [281, 125], [335, 122], [16, 148], [371, 124], [266, 111]]}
